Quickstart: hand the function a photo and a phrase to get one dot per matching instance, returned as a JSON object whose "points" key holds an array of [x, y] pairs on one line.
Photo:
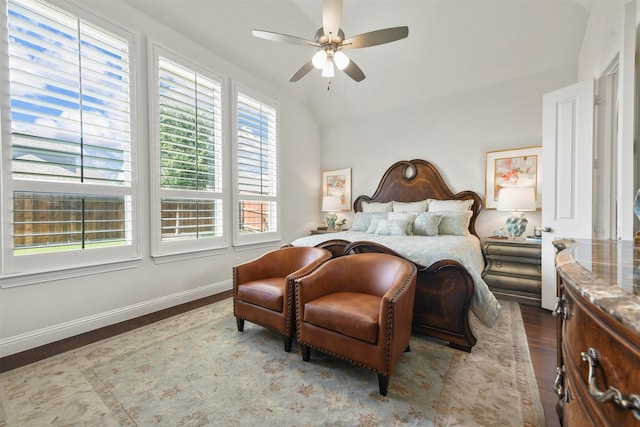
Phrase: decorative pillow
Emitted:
{"points": [[449, 205], [376, 207], [374, 223], [426, 223], [404, 216], [420, 206], [392, 227], [456, 223], [362, 220]]}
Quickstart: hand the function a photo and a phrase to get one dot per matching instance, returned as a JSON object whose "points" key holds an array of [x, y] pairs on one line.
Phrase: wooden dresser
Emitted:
{"points": [[513, 269], [598, 315]]}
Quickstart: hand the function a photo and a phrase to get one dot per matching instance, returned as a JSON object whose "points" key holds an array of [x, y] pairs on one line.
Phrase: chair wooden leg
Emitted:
{"points": [[287, 343], [383, 383], [240, 323], [306, 352]]}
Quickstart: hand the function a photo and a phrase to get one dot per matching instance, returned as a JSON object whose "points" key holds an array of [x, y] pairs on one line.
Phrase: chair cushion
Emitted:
{"points": [[267, 293], [349, 313]]}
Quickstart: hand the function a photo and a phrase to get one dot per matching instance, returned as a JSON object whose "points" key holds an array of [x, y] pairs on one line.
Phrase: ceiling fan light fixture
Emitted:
{"points": [[341, 60], [319, 60], [327, 70]]}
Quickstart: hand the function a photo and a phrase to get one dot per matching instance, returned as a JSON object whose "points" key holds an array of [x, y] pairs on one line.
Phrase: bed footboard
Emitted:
{"points": [[443, 298]]}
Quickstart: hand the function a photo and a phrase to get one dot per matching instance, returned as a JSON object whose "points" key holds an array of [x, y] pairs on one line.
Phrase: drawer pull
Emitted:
{"points": [[611, 394]]}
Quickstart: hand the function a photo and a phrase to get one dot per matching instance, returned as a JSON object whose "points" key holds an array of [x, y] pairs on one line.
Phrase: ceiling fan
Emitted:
{"points": [[330, 40]]}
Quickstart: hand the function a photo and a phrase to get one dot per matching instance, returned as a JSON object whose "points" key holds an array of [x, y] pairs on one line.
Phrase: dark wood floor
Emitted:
{"points": [[539, 325]]}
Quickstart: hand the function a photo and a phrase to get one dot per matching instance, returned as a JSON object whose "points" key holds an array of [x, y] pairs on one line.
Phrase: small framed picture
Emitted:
{"points": [[338, 183], [519, 167]]}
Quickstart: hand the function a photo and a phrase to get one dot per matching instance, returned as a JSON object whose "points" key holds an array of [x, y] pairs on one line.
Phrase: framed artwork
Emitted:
{"points": [[338, 183], [520, 167]]}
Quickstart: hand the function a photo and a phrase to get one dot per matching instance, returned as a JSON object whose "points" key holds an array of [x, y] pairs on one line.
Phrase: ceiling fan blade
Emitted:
{"points": [[353, 71], [373, 38], [283, 38], [303, 71], [331, 17]]}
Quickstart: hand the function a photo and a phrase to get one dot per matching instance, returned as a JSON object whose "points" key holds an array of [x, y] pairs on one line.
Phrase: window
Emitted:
{"points": [[68, 191], [256, 157], [188, 145]]}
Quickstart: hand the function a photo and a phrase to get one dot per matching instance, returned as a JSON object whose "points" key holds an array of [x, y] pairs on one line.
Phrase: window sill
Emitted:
{"points": [[15, 280], [182, 256]]}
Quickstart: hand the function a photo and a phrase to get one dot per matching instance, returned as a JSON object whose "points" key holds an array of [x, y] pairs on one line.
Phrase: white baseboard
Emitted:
{"points": [[26, 341]]}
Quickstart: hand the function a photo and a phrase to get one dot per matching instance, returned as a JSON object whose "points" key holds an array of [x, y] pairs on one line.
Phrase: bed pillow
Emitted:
{"points": [[376, 207], [362, 220], [426, 224], [392, 227], [373, 226], [404, 216], [449, 205], [455, 223], [420, 206]]}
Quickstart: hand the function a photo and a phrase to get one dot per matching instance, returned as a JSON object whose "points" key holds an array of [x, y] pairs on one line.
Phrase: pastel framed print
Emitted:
{"points": [[338, 183], [520, 167]]}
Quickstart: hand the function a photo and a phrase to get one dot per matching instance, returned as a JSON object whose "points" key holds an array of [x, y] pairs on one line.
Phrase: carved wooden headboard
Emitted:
{"points": [[415, 180]]}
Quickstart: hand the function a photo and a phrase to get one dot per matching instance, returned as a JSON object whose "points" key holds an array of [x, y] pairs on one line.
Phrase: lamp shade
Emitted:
{"points": [[319, 59], [341, 60], [516, 199], [327, 69], [331, 203]]}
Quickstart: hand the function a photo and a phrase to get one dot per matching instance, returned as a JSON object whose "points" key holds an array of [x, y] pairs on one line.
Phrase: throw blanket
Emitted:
{"points": [[425, 251]]}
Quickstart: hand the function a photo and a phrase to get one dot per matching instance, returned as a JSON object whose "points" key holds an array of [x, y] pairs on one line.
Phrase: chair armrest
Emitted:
{"points": [[396, 310]]}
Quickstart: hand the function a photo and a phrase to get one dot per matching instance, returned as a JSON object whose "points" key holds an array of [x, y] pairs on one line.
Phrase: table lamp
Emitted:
{"points": [[330, 205], [516, 200]]}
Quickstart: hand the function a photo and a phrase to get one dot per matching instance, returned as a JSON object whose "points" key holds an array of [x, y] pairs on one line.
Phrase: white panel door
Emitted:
{"points": [[567, 166]]}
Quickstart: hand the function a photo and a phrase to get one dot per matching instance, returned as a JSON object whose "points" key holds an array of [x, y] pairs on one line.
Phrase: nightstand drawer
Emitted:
{"points": [[513, 250], [515, 283], [516, 268]]}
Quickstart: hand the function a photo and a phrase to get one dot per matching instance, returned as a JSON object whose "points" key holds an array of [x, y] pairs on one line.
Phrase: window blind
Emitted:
{"points": [[257, 166], [190, 153], [70, 125]]}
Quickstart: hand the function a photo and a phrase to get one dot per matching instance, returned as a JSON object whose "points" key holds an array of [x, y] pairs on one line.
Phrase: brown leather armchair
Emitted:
{"points": [[358, 308], [263, 288]]}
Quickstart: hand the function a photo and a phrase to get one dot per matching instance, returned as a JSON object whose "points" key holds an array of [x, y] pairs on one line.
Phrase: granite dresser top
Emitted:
{"points": [[606, 272]]}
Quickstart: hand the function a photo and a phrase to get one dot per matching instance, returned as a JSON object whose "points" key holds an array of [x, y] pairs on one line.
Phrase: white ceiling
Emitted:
{"points": [[453, 45]]}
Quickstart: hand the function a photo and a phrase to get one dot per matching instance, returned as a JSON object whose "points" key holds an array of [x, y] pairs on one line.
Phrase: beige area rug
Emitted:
{"points": [[197, 369]]}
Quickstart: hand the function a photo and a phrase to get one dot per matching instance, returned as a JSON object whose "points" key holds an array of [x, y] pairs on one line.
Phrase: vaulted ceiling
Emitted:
{"points": [[453, 45]]}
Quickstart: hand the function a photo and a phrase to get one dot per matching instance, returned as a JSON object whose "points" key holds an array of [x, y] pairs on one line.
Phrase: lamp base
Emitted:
{"points": [[516, 225], [331, 220]]}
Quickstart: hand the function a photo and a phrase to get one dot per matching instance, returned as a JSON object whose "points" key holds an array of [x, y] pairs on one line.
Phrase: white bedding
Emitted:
{"points": [[425, 251]]}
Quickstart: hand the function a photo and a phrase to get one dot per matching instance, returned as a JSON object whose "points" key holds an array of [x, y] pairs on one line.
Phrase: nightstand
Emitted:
{"points": [[326, 231], [513, 269]]}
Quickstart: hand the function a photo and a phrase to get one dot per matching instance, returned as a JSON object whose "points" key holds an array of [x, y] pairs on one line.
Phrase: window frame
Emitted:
{"points": [[30, 268], [185, 248], [240, 240]]}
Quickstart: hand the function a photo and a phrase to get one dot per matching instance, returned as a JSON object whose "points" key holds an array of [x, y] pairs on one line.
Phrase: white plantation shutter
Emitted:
{"points": [[69, 98], [256, 169], [189, 142], [71, 151]]}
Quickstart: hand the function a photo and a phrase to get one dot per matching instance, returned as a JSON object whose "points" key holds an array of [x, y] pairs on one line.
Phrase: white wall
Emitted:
{"points": [[453, 133], [35, 314]]}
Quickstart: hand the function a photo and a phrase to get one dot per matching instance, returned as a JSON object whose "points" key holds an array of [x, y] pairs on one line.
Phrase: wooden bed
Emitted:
{"points": [[445, 288]]}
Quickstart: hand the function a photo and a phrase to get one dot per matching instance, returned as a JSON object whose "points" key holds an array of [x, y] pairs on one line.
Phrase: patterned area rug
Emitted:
{"points": [[197, 369]]}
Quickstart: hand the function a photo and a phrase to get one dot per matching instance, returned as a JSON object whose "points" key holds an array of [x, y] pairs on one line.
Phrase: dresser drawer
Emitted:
{"points": [[586, 327], [517, 268], [514, 250]]}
